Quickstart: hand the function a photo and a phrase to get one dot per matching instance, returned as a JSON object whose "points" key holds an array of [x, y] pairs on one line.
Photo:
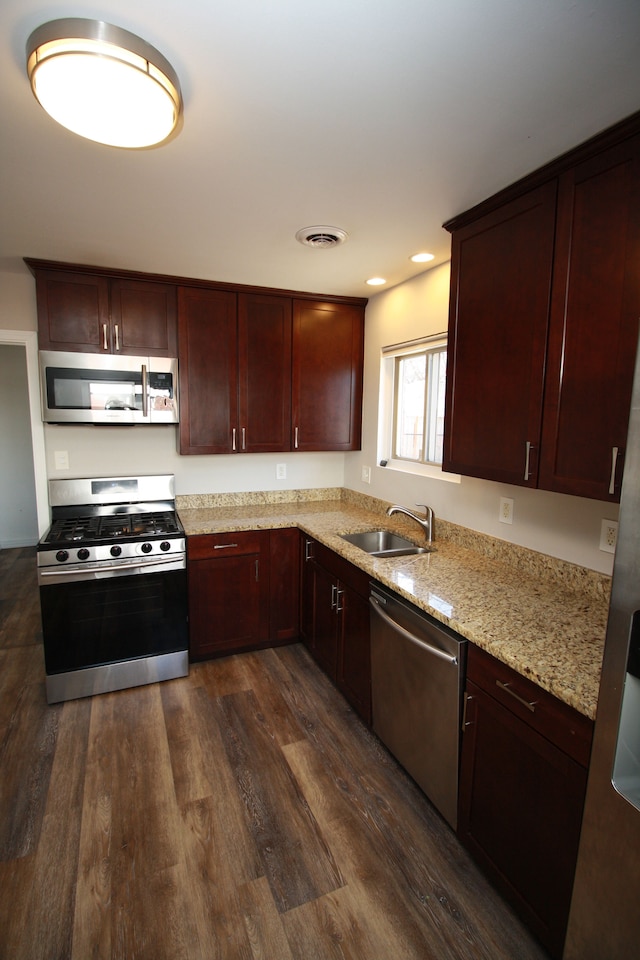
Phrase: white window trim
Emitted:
{"points": [[385, 410]]}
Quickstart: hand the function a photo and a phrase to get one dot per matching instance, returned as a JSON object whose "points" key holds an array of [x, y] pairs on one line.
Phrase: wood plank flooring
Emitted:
{"points": [[240, 813]]}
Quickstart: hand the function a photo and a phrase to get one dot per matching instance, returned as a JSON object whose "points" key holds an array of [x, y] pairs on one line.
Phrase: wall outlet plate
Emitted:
{"points": [[608, 535], [281, 471], [505, 514], [366, 474]]}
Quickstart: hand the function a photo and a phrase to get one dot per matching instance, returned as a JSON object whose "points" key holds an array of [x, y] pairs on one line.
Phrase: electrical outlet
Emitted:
{"points": [[281, 471], [506, 510], [366, 474], [61, 459], [608, 535]]}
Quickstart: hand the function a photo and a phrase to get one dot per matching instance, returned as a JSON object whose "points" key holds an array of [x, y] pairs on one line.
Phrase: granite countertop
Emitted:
{"points": [[544, 618]]}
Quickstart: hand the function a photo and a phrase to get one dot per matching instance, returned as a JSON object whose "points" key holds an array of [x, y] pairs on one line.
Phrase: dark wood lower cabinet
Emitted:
{"points": [[335, 622], [522, 785], [228, 592], [243, 591]]}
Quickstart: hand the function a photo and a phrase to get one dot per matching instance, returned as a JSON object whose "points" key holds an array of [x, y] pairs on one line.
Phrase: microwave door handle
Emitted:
{"points": [[145, 395]]}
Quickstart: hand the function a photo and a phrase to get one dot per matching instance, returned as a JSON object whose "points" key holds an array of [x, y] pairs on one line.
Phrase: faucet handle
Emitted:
{"points": [[428, 509]]}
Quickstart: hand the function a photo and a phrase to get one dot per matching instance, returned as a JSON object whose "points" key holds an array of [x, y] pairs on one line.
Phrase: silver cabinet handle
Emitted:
{"points": [[526, 462], [244, 439], [614, 463], [233, 439], [530, 705], [308, 550], [465, 722], [334, 596], [105, 345], [224, 546], [117, 338], [295, 438], [257, 571], [339, 596], [145, 390]]}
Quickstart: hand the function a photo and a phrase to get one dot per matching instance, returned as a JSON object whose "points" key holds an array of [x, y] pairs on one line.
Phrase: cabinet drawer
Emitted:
{"points": [[563, 726], [209, 545]]}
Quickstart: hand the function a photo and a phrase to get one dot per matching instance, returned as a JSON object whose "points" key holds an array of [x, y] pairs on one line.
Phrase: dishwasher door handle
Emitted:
{"points": [[410, 636]]}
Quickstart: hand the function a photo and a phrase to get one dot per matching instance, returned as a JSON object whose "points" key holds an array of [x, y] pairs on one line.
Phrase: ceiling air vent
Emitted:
{"points": [[321, 237]]}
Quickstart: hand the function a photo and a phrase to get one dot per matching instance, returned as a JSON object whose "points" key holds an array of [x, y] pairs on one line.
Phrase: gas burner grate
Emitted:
{"points": [[113, 526]]}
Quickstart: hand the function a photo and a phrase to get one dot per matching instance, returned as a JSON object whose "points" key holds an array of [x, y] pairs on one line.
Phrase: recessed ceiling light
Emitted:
{"points": [[422, 257], [103, 83], [376, 281]]}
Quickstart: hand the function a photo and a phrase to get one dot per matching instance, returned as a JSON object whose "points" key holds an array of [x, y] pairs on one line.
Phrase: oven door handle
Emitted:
{"points": [[103, 568]]}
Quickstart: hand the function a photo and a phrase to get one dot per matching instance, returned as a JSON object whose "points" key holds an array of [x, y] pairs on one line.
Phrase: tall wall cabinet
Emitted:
{"points": [[543, 323]]}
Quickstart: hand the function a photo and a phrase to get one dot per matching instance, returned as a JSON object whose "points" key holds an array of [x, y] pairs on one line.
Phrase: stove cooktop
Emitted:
{"points": [[118, 526]]}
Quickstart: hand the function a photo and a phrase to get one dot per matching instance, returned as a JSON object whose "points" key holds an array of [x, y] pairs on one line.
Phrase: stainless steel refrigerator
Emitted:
{"points": [[604, 922]]}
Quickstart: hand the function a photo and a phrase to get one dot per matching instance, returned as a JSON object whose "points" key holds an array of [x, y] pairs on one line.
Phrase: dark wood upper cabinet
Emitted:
{"points": [[543, 323], [594, 325], [264, 361], [328, 349], [208, 370], [81, 311], [499, 311]]}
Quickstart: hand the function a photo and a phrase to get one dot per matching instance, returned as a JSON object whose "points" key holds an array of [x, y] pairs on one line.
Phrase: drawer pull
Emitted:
{"points": [[308, 550], [525, 703], [224, 546]]}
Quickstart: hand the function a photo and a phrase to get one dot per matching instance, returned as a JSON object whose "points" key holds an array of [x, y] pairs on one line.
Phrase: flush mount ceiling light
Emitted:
{"points": [[422, 257], [323, 238], [376, 281], [103, 83]]}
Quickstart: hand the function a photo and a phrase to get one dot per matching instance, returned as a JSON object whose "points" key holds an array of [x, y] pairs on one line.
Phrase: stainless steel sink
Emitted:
{"points": [[383, 543]]}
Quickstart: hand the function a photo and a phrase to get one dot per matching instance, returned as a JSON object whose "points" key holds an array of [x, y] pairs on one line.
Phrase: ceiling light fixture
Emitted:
{"points": [[376, 281], [103, 83], [422, 257]]}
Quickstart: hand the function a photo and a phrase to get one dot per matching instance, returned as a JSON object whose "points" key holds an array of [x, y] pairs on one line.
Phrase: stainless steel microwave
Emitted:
{"points": [[95, 388]]}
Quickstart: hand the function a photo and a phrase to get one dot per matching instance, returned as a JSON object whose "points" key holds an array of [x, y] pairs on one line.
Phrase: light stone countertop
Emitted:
{"points": [[544, 618]]}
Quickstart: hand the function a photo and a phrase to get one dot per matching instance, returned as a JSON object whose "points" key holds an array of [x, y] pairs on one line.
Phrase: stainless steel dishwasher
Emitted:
{"points": [[417, 678]]}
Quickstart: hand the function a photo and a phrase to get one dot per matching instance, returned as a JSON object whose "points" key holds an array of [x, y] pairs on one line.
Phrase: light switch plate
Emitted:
{"points": [[61, 459]]}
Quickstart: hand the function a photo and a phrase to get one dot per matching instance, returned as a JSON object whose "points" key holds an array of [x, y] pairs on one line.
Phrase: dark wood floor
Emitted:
{"points": [[242, 812]]}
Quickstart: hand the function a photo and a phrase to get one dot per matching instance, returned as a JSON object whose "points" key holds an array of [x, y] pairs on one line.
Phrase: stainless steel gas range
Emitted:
{"points": [[113, 586]]}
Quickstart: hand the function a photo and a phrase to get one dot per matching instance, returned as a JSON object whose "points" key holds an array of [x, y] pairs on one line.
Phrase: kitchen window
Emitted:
{"points": [[412, 392]]}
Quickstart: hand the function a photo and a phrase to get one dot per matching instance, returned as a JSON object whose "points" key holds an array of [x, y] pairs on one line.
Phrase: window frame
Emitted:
{"points": [[387, 414]]}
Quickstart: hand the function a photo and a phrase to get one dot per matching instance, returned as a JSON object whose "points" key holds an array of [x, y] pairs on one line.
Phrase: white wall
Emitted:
{"points": [[555, 524]]}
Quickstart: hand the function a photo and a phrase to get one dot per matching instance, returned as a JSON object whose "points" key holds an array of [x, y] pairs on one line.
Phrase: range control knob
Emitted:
{"points": [[146, 548], [61, 556], [165, 545], [83, 553], [115, 551]]}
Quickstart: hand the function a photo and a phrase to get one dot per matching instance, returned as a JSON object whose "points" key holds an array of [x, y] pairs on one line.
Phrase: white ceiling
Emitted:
{"points": [[382, 117]]}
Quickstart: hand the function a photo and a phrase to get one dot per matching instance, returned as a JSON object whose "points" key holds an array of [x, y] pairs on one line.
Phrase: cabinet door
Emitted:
{"points": [[501, 272], [284, 578], [143, 318], [228, 593], [73, 312], [264, 357], [594, 322], [520, 810], [307, 590], [328, 343], [354, 650], [207, 370], [325, 634]]}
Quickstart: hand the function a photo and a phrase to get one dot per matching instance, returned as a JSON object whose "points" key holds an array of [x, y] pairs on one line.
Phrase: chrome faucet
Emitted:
{"points": [[425, 522]]}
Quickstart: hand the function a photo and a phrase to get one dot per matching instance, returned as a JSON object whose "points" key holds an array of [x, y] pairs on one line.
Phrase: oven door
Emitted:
{"points": [[112, 619]]}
